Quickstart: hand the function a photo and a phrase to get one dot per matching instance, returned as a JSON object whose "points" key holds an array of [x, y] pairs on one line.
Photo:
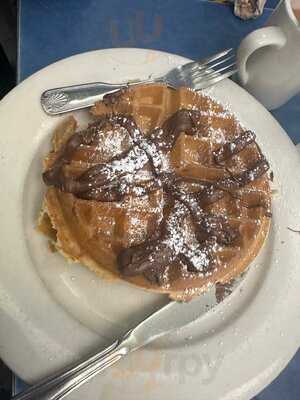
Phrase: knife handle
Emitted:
{"points": [[61, 384]]}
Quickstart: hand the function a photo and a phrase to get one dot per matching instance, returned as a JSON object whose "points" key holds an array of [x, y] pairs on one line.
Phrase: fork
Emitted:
{"points": [[195, 75]]}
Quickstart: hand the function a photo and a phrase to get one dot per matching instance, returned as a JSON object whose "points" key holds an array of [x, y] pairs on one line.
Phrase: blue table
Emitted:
{"points": [[52, 30]]}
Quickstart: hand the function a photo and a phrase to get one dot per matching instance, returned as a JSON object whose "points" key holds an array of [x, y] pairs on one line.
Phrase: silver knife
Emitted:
{"points": [[171, 317]]}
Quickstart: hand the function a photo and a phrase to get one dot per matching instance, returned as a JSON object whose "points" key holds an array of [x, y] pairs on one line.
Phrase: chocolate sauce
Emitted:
{"points": [[209, 195], [223, 290], [111, 99], [230, 149], [181, 121], [166, 250], [259, 168], [101, 174], [149, 255], [113, 180]]}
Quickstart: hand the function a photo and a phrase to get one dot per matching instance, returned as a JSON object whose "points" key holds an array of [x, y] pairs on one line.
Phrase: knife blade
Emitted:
{"points": [[169, 318], [173, 316]]}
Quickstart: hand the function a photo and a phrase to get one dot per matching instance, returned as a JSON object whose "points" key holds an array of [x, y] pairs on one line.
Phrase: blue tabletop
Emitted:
{"points": [[52, 30]]}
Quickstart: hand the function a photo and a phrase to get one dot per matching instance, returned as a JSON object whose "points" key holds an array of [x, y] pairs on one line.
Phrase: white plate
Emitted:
{"points": [[53, 312]]}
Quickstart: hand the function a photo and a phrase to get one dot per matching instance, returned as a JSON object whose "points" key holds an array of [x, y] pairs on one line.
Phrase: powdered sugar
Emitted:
{"points": [[177, 237], [135, 160], [182, 240], [217, 135], [224, 114], [112, 142]]}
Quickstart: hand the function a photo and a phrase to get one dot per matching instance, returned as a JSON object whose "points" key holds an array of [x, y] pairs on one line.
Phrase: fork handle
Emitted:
{"points": [[62, 383], [70, 98]]}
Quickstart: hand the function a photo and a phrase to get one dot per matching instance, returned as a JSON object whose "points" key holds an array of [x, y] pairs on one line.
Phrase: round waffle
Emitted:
{"points": [[219, 154]]}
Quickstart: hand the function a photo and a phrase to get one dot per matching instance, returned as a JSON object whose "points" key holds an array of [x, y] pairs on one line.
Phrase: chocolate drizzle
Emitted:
{"points": [[113, 180], [259, 168], [169, 247], [230, 149], [111, 99]]}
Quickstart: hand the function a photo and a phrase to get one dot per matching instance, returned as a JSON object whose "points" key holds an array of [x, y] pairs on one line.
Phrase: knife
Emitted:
{"points": [[169, 318]]}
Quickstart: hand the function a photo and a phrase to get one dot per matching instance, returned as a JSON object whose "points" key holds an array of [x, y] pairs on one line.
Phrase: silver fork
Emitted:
{"points": [[195, 75]]}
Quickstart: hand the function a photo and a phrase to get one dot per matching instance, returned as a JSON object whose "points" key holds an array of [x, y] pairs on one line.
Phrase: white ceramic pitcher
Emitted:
{"points": [[269, 58]]}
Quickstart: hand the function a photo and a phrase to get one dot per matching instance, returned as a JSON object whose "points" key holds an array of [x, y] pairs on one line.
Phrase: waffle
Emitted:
{"points": [[98, 233]]}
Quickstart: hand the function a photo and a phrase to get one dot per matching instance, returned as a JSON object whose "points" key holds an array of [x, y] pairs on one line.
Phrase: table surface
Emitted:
{"points": [[52, 30]]}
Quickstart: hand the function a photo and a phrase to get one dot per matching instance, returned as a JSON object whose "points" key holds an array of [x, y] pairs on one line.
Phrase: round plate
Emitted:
{"points": [[53, 312]]}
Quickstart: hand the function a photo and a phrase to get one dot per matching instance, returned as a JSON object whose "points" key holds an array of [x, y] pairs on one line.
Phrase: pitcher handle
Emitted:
{"points": [[267, 36]]}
